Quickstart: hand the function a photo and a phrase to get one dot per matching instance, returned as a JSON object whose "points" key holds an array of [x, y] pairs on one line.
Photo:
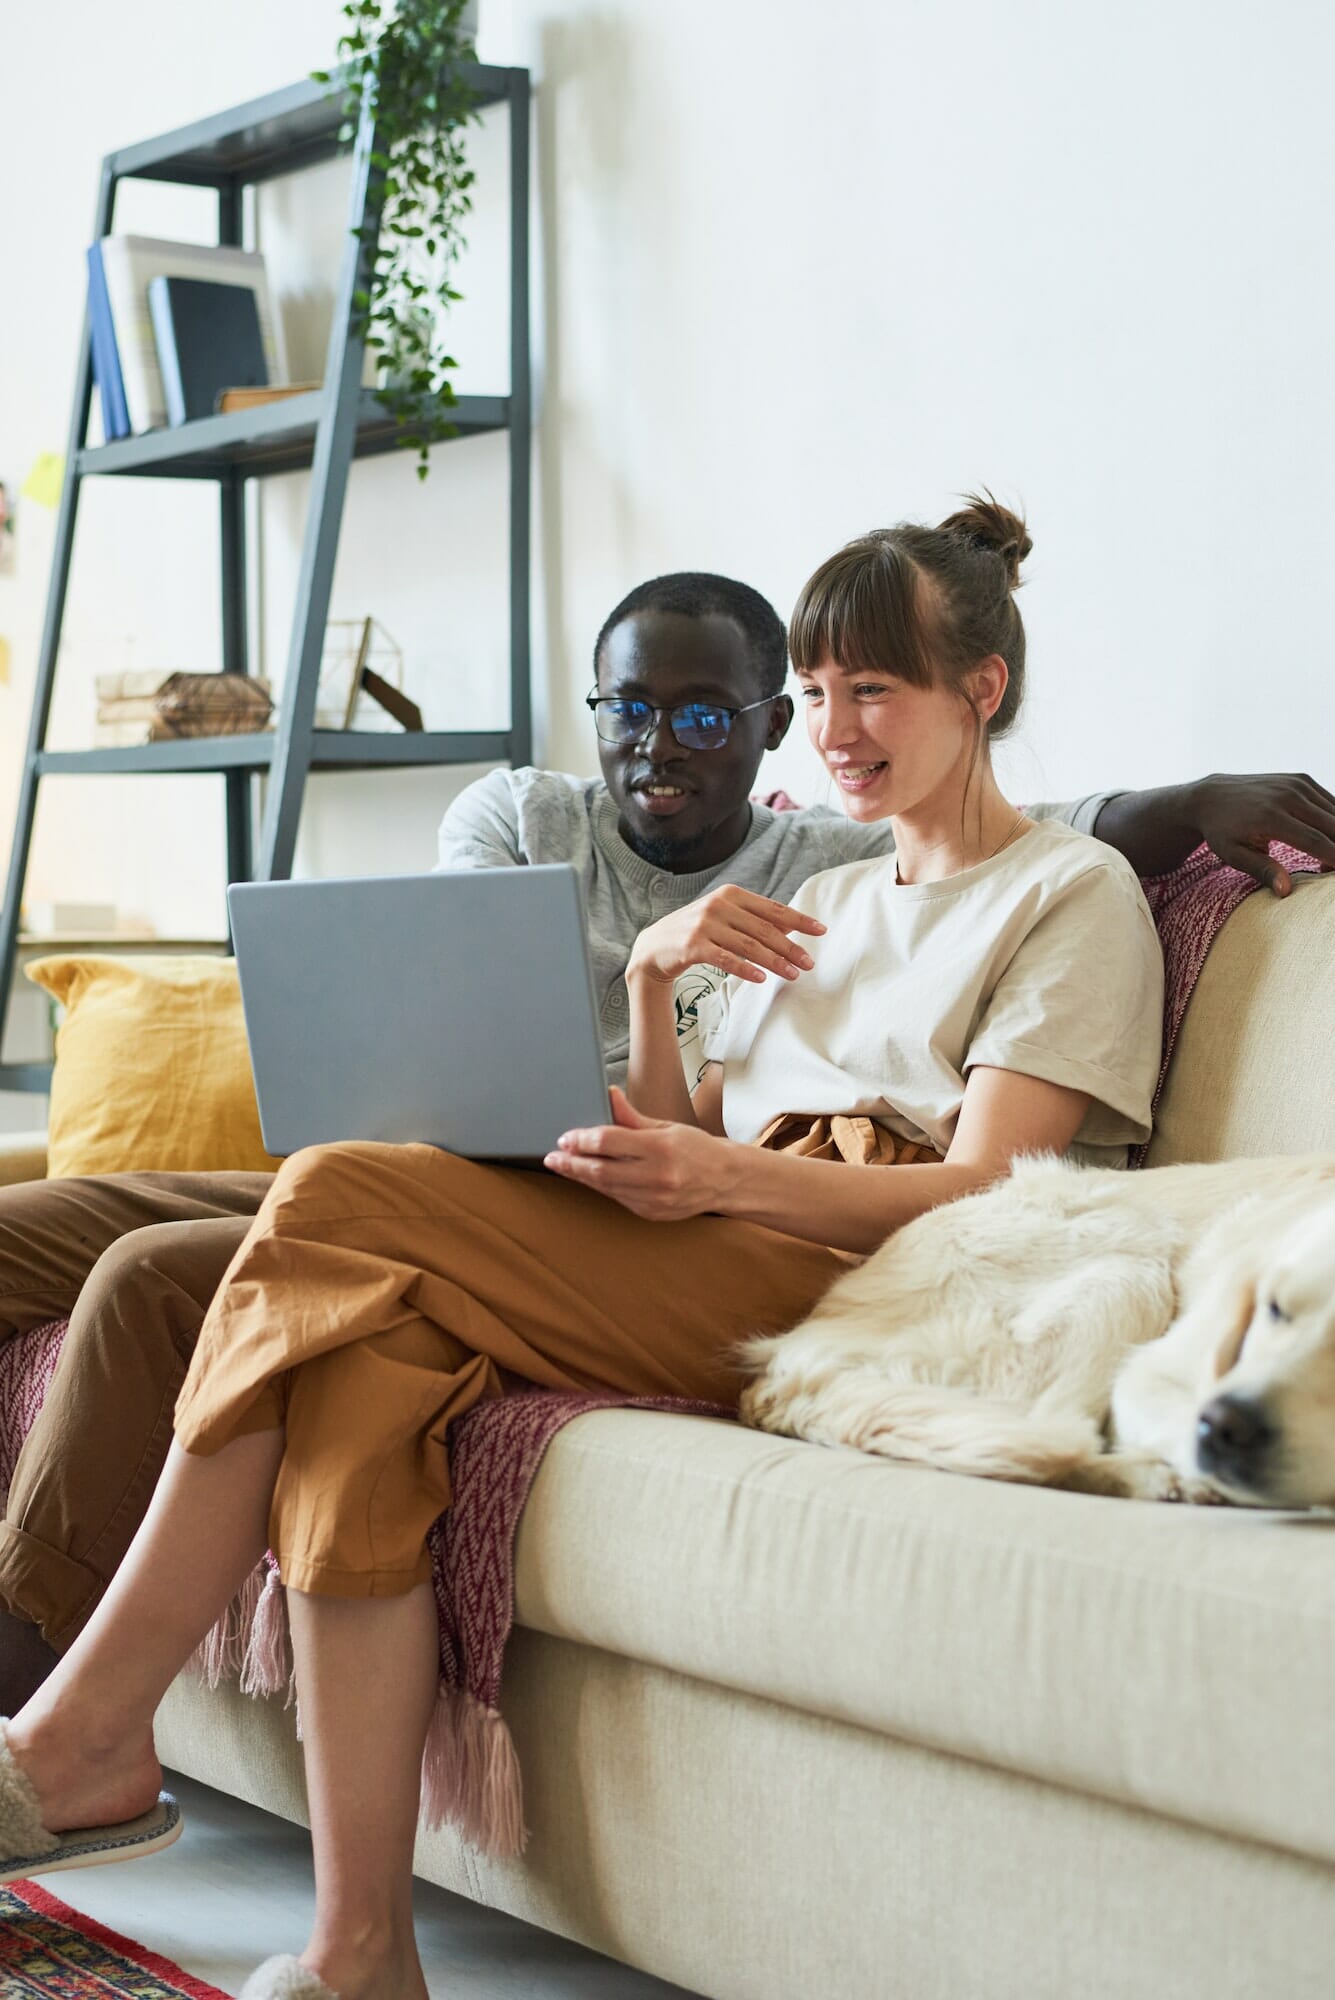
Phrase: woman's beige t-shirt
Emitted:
{"points": [[1043, 959]]}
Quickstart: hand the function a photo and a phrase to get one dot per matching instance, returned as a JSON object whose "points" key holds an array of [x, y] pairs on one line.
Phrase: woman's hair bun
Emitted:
{"points": [[991, 526]]}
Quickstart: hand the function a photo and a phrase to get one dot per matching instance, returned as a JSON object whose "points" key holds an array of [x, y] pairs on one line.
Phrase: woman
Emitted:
{"points": [[993, 988]]}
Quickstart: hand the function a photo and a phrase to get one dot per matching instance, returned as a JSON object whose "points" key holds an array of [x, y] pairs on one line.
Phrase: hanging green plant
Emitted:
{"points": [[407, 62]]}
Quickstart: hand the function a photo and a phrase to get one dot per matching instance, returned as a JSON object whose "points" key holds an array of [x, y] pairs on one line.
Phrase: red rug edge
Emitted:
{"points": [[44, 1904]]}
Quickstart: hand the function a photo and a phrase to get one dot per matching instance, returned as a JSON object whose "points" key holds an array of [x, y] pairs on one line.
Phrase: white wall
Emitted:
{"points": [[819, 268], [802, 270]]}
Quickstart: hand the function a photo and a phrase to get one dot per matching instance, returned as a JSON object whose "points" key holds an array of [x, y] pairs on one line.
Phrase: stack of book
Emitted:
{"points": [[138, 708], [173, 326]]}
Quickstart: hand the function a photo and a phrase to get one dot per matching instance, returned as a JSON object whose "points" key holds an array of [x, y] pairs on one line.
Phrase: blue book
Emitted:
{"points": [[106, 355], [208, 339], [98, 349]]}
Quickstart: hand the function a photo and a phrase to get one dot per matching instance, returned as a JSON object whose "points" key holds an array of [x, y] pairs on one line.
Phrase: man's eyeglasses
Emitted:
{"points": [[697, 725]]}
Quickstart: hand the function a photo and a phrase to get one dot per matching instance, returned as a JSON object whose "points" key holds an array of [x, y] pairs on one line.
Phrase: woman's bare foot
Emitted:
{"points": [[82, 1781]]}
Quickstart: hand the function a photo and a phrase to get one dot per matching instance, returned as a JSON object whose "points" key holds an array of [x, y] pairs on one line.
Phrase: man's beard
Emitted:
{"points": [[677, 856]]}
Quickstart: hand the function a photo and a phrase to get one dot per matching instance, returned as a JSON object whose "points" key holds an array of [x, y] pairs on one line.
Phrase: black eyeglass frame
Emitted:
{"points": [[682, 708]]}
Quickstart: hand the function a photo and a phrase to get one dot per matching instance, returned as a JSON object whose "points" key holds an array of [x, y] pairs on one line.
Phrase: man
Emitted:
{"points": [[689, 695]]}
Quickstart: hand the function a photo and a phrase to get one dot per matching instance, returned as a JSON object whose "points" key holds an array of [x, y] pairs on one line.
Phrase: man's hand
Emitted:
{"points": [[744, 933], [1237, 817], [661, 1171]]}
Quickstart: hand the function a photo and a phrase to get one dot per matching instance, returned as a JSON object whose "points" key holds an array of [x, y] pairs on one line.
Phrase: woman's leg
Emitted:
{"points": [[85, 1740], [383, 1290], [367, 1674], [366, 1671]]}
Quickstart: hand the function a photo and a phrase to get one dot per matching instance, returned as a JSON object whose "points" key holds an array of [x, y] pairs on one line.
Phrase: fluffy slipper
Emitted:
{"points": [[285, 1978], [29, 1848]]}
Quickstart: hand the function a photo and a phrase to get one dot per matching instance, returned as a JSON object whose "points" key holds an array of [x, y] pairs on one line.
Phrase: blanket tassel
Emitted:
{"points": [[470, 1774], [219, 1654], [267, 1667]]}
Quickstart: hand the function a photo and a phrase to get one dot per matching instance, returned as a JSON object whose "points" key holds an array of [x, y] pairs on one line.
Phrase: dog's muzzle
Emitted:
{"points": [[1235, 1439]]}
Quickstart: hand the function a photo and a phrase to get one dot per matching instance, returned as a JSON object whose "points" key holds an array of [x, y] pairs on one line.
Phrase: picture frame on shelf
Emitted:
{"points": [[361, 679]]}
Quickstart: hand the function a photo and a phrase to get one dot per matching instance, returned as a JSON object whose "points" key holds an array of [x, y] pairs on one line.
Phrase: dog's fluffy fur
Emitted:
{"points": [[1068, 1327]]}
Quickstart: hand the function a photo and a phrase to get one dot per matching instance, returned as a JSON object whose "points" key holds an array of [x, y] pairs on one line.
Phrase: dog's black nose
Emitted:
{"points": [[1232, 1439]]}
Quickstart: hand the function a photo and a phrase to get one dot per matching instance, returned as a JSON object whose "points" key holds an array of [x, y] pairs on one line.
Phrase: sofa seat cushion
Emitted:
{"points": [[1174, 1658]]}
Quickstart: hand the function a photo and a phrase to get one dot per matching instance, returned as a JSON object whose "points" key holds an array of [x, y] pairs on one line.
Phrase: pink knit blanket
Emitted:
{"points": [[1190, 906], [471, 1774]]}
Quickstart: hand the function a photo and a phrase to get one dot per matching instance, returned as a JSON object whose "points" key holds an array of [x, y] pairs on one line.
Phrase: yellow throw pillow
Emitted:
{"points": [[152, 1069]]}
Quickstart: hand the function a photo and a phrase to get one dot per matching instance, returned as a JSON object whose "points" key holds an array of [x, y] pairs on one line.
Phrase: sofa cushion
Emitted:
{"points": [[1167, 1657], [1251, 1073], [152, 1068]]}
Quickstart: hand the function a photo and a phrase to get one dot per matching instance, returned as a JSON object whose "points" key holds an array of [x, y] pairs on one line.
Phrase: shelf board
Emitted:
{"points": [[34, 1077], [30, 941], [332, 750], [277, 134], [370, 750], [273, 437]]}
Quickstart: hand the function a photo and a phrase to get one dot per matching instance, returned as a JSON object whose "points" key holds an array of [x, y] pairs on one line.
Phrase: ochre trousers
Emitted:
{"points": [[382, 1290]]}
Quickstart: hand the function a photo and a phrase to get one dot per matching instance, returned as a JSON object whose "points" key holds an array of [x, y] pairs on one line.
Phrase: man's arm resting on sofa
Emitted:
{"points": [[1237, 817]]}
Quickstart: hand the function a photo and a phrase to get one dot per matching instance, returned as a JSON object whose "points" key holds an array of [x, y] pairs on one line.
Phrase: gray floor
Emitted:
{"points": [[236, 1887]]}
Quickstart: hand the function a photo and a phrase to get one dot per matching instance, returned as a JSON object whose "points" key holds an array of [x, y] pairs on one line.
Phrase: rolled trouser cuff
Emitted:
{"points": [[318, 1579], [46, 1586]]}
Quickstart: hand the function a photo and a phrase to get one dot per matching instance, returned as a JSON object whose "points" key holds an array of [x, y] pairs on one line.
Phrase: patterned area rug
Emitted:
{"points": [[50, 1952]]}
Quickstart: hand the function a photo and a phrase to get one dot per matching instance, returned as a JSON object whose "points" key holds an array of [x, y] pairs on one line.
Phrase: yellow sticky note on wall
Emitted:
{"points": [[45, 480], [4, 661]]}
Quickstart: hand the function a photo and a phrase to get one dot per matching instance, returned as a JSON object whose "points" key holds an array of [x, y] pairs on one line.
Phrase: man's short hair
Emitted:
{"points": [[693, 593]]}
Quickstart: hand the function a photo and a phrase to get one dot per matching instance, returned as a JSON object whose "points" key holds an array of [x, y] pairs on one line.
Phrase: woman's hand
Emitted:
{"points": [[744, 933], [658, 1170]]}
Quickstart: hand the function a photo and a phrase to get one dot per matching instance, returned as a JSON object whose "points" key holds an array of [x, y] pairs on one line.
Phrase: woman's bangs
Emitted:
{"points": [[859, 610]]}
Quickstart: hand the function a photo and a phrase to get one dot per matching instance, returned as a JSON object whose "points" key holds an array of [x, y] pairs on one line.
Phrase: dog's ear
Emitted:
{"points": [[1237, 1305]]}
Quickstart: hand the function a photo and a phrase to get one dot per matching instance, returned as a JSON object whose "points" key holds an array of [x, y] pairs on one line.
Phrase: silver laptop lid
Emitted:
{"points": [[457, 1009]]}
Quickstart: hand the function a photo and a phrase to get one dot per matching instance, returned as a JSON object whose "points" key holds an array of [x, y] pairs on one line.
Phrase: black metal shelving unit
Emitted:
{"points": [[323, 431]]}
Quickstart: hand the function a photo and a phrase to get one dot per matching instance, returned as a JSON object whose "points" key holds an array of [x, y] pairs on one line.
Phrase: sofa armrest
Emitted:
{"points": [[22, 1157]]}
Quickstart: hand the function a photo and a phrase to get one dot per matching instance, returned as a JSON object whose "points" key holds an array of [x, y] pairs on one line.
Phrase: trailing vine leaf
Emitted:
{"points": [[405, 62]]}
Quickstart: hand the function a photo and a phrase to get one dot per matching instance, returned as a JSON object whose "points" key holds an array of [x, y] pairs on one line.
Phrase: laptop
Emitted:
{"points": [[456, 1009]]}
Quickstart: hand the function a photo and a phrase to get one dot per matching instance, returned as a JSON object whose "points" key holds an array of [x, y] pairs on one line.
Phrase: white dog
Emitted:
{"points": [[1167, 1334]]}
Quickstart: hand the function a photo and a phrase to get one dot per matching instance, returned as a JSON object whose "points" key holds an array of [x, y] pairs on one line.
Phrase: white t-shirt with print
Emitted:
{"points": [[1043, 959]]}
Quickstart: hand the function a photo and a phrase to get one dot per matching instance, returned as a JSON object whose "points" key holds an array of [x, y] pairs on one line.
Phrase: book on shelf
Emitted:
{"points": [[47, 919], [208, 339], [131, 735], [141, 709], [128, 686], [106, 356], [134, 735], [129, 265], [250, 399], [128, 698]]}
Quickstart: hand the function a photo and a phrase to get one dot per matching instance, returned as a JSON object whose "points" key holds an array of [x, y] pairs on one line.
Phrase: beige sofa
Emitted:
{"points": [[796, 1722]]}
